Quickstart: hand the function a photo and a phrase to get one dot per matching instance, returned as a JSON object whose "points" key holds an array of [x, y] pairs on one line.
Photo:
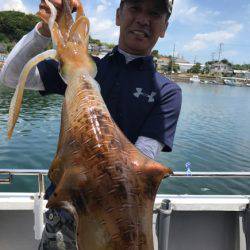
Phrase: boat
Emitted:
{"points": [[180, 222], [232, 81], [194, 79], [210, 82]]}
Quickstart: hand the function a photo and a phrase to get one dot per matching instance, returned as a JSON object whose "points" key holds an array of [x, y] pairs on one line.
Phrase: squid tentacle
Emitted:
{"points": [[16, 101], [79, 11], [83, 24], [53, 26]]}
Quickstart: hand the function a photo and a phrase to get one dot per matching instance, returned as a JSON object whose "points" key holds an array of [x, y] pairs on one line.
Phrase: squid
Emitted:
{"points": [[101, 178]]}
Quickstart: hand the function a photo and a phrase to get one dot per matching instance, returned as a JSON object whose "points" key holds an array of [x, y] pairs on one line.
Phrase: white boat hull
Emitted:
{"points": [[189, 223]]}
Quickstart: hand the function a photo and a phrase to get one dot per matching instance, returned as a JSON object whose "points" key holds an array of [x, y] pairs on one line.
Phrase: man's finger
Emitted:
{"points": [[58, 5], [44, 6]]}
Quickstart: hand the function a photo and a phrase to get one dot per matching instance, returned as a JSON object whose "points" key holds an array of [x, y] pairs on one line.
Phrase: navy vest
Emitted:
{"points": [[140, 100]]}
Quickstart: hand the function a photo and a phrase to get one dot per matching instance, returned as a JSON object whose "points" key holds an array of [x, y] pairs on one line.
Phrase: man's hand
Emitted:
{"points": [[44, 14]]}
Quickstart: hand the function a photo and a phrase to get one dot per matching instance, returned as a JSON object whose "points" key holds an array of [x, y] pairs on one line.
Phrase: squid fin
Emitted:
{"points": [[151, 174], [69, 193]]}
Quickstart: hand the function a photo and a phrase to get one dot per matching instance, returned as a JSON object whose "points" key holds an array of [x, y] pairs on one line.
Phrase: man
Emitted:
{"points": [[144, 104]]}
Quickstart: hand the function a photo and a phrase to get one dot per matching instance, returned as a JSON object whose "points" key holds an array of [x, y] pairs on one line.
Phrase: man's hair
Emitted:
{"points": [[165, 5]]}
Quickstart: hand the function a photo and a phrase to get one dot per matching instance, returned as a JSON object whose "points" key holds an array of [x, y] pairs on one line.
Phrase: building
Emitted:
{"points": [[242, 74], [183, 64], [2, 48], [219, 67], [162, 63], [99, 49], [94, 48], [2, 59], [105, 49]]}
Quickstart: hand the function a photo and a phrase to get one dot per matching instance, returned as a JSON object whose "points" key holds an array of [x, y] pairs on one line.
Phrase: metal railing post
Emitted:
{"points": [[41, 184], [163, 224]]}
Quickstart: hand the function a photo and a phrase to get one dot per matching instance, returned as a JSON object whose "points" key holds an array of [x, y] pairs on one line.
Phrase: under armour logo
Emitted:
{"points": [[139, 93]]}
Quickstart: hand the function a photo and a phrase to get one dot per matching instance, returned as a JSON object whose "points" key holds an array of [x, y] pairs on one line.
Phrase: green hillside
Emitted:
{"points": [[14, 25]]}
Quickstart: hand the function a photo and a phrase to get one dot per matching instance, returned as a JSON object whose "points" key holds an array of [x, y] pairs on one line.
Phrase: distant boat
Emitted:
{"points": [[231, 81], [212, 82], [195, 79]]}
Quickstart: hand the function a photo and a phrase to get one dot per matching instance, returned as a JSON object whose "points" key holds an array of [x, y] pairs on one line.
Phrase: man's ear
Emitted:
{"points": [[164, 29], [118, 17]]}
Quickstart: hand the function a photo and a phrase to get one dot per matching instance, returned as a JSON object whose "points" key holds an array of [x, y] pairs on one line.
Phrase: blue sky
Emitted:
{"points": [[197, 27]]}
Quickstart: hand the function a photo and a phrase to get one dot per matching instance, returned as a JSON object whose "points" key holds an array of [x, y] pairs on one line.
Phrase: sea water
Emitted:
{"points": [[213, 134]]}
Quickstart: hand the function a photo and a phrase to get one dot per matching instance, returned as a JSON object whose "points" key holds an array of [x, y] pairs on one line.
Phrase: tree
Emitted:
{"points": [[168, 68], [207, 67], [2, 48], [14, 25], [155, 53], [109, 45], [225, 61], [3, 38], [241, 67], [196, 69], [95, 41]]}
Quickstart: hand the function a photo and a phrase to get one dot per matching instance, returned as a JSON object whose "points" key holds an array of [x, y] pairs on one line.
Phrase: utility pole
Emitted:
{"points": [[172, 63], [220, 52], [213, 56]]}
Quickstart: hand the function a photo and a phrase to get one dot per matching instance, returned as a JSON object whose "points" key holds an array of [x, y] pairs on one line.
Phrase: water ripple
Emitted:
{"points": [[212, 134]]}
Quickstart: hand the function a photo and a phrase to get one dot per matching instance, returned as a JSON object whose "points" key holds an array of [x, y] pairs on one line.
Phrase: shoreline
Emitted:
{"points": [[205, 79]]}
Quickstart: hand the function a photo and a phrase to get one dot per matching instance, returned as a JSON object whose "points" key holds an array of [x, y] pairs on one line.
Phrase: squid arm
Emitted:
{"points": [[16, 101]]}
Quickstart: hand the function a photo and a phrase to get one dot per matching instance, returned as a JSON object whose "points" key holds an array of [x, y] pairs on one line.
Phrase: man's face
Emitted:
{"points": [[141, 24]]}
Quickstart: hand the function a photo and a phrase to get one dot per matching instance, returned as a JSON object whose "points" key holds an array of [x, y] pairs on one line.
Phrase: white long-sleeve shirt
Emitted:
{"points": [[34, 43], [29, 46]]}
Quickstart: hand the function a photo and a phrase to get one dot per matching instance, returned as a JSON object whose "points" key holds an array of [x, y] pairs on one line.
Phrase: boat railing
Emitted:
{"points": [[211, 175], [7, 175]]}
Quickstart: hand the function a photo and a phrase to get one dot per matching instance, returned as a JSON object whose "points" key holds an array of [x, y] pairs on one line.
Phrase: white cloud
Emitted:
{"points": [[184, 11], [102, 23], [195, 45], [188, 13], [17, 5], [100, 8], [104, 29], [230, 53], [104, 5], [231, 25], [204, 40], [97, 26], [213, 13]]}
